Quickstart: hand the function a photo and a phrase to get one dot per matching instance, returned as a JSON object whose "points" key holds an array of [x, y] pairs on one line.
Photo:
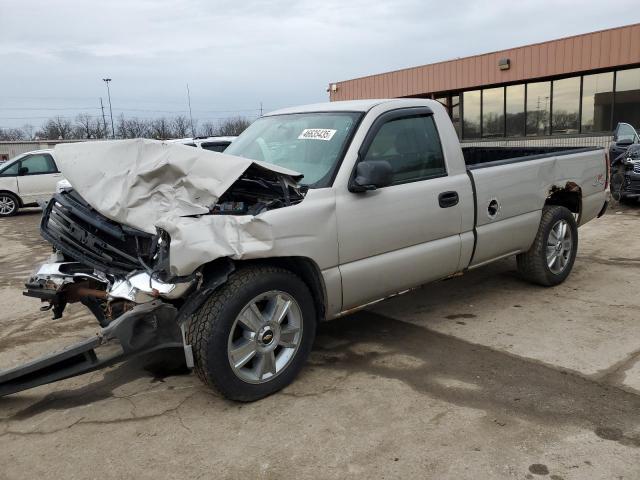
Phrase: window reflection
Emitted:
{"points": [[455, 113], [566, 105], [493, 112], [627, 97], [515, 111], [538, 102], [529, 109], [597, 98], [471, 114]]}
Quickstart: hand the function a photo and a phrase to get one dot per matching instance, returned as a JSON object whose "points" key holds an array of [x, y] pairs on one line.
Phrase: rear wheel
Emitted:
{"points": [[9, 204], [550, 259], [253, 335]]}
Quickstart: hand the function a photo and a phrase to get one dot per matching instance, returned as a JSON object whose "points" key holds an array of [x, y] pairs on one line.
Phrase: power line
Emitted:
{"points": [[46, 108], [130, 117]]}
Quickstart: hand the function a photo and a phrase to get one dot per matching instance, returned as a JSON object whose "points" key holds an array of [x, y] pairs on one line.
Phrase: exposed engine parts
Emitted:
{"points": [[255, 192]]}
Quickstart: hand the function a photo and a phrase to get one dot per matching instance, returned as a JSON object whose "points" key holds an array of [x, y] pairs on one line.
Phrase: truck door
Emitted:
{"points": [[408, 233], [37, 177]]}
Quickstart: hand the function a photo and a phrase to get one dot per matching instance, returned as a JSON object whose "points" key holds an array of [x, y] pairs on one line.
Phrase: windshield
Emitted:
{"points": [[309, 143]]}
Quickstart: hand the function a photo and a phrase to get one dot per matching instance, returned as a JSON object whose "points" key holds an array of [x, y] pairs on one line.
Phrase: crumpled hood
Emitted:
{"points": [[146, 183]]}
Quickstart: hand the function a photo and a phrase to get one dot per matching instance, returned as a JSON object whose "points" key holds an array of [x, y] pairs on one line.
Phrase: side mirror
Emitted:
{"points": [[23, 171], [371, 174], [625, 142]]}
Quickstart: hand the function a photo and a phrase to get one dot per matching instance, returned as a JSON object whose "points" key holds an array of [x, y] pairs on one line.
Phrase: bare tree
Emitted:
{"points": [[28, 130], [160, 129], [138, 128], [85, 126], [12, 134], [233, 126], [58, 128], [181, 126], [88, 126], [208, 129], [132, 127], [98, 128]]}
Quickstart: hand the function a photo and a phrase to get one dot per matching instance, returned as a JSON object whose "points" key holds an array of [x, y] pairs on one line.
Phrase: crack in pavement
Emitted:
{"points": [[82, 421]]}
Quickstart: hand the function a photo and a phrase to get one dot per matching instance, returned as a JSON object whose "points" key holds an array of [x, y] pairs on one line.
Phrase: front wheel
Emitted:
{"points": [[8, 204], [253, 335], [550, 259]]}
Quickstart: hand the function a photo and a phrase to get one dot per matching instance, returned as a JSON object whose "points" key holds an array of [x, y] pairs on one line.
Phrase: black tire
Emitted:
{"points": [[211, 326], [533, 265], [5, 199], [617, 181]]}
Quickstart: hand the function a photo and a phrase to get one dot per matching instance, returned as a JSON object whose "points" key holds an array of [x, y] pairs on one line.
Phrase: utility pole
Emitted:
{"points": [[113, 130], [260, 108], [104, 119], [193, 132]]}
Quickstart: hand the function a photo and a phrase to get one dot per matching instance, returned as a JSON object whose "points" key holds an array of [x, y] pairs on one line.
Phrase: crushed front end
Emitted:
{"points": [[123, 276], [107, 266]]}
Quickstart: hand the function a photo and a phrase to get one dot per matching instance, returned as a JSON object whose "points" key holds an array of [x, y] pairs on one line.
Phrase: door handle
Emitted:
{"points": [[448, 199]]}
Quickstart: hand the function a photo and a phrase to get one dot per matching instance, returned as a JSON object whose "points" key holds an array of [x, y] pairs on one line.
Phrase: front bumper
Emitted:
{"points": [[631, 185], [60, 283]]}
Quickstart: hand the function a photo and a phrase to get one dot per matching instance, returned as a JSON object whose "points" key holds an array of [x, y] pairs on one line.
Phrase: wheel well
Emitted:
{"points": [[569, 196], [20, 204], [306, 269]]}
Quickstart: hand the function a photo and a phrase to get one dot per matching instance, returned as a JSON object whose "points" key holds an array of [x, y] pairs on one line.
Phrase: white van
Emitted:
{"points": [[27, 179]]}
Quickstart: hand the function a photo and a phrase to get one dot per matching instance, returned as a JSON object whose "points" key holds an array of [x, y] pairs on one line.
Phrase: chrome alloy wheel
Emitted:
{"points": [[7, 205], [559, 245], [265, 337]]}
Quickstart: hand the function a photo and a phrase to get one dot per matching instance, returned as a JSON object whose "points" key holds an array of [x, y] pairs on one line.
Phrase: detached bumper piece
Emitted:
{"points": [[145, 328]]}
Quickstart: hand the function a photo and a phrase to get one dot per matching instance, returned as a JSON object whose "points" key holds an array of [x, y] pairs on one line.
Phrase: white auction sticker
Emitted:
{"points": [[317, 134]]}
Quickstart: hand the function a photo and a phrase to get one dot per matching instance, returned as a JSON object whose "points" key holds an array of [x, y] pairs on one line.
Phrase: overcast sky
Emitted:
{"points": [[236, 54]]}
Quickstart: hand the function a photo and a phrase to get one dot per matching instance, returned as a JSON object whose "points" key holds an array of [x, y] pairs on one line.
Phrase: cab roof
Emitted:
{"points": [[348, 105]]}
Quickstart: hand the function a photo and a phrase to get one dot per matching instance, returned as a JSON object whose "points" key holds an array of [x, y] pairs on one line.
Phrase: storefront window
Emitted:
{"points": [[566, 106], [538, 100], [493, 112], [471, 114], [455, 113], [515, 111], [597, 98], [627, 97]]}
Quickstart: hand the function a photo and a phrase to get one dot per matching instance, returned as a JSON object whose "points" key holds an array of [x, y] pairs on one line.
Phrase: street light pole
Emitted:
{"points": [[113, 130]]}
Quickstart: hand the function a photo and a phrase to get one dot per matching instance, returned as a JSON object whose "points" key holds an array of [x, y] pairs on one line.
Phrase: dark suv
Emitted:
{"points": [[624, 154]]}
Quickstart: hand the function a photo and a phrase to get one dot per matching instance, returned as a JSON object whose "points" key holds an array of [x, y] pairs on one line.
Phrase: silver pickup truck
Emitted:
{"points": [[311, 213]]}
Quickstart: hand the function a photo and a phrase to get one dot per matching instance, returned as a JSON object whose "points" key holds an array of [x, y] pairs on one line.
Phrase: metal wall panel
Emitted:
{"points": [[605, 49]]}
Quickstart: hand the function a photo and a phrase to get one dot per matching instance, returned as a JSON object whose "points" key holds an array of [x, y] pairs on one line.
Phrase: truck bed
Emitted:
{"points": [[510, 196], [480, 157]]}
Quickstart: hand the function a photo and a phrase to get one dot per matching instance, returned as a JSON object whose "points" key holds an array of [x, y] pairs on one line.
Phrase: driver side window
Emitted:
{"points": [[39, 164], [411, 146]]}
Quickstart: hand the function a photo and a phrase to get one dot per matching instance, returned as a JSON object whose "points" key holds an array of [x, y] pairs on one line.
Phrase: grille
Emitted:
{"points": [[636, 167], [81, 233]]}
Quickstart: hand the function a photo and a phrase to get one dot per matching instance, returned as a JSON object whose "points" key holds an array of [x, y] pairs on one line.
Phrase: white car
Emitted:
{"points": [[215, 144], [27, 179]]}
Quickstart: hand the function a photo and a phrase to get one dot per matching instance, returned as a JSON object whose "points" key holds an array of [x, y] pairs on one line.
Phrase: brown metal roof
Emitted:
{"points": [[590, 51]]}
